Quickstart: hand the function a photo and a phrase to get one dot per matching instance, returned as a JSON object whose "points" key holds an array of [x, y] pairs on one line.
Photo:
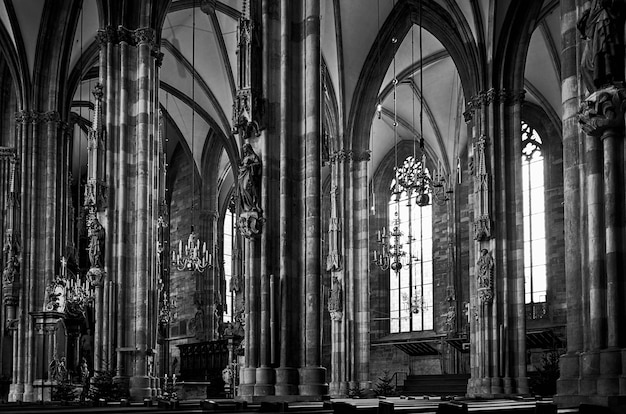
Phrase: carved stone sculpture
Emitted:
{"points": [[484, 267], [602, 27]]}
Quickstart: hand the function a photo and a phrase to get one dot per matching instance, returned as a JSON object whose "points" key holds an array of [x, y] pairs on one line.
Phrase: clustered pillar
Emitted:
{"points": [[593, 370], [283, 232]]}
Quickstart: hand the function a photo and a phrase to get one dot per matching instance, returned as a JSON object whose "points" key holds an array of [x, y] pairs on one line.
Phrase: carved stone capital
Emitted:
{"points": [[50, 116], [23, 117], [96, 275], [602, 111], [145, 35], [125, 35], [362, 156], [250, 223]]}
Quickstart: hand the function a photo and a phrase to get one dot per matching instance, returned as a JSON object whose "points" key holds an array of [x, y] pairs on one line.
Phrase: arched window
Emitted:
{"points": [[535, 274], [411, 286], [228, 264]]}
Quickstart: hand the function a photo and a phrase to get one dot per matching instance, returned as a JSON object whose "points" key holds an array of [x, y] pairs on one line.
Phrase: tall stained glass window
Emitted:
{"points": [[411, 287], [535, 273]]}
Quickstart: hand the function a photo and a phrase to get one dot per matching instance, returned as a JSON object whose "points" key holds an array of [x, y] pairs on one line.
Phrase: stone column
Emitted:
{"points": [[497, 355], [601, 117], [361, 271], [128, 72], [312, 375], [286, 373], [335, 264], [568, 383]]}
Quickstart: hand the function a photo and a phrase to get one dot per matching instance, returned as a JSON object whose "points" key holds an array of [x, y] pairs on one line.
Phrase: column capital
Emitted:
{"points": [[361, 156], [602, 111]]}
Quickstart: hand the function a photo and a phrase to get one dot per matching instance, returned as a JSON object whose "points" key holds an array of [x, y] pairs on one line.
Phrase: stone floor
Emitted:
{"points": [[423, 405]]}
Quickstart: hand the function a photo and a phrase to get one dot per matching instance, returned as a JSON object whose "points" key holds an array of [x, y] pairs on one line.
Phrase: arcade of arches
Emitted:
{"points": [[291, 199]]}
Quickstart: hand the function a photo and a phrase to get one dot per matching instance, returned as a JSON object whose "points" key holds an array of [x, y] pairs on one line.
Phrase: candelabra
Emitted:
{"points": [[78, 293], [391, 255], [415, 178], [194, 256]]}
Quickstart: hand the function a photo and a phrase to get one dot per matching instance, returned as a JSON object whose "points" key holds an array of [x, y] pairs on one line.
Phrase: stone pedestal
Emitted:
{"points": [[265, 380], [313, 381], [286, 381], [140, 388], [246, 382], [338, 389]]}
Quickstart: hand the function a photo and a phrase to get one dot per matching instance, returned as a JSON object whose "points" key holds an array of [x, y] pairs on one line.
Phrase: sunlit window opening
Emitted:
{"points": [[535, 273], [411, 288], [228, 265]]}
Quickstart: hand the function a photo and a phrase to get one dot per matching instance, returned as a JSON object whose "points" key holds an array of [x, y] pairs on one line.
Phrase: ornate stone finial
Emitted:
{"points": [[484, 277]]}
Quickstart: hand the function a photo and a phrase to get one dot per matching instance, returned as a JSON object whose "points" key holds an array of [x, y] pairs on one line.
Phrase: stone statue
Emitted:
{"points": [[249, 180], [95, 232], [602, 27], [335, 300], [11, 270], [484, 267]]}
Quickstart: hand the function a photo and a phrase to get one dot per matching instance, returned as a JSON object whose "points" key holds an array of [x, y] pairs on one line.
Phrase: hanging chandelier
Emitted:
{"points": [[390, 253], [194, 256]]}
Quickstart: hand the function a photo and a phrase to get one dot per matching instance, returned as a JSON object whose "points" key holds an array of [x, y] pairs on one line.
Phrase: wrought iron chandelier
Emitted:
{"points": [[194, 256], [390, 253]]}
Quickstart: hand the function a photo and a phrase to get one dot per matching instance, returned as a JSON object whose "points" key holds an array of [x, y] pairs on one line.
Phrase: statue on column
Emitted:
{"points": [[484, 267], [248, 192], [335, 300], [602, 28], [249, 180], [95, 232]]}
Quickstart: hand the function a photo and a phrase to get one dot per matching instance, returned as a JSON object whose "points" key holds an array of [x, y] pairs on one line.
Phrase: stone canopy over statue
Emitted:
{"points": [[602, 27]]}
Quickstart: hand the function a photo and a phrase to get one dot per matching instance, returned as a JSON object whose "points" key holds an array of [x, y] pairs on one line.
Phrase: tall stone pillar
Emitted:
{"points": [[574, 208], [128, 162], [361, 271], [335, 264], [594, 368], [286, 373], [497, 284], [600, 374]]}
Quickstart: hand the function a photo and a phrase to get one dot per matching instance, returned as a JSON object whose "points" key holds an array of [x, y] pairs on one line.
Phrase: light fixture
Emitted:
{"points": [[424, 184], [391, 253], [79, 294], [195, 256]]}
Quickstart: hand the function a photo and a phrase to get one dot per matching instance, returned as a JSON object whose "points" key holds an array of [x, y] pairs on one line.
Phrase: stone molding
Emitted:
{"points": [[492, 96], [343, 155], [35, 117], [137, 37]]}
